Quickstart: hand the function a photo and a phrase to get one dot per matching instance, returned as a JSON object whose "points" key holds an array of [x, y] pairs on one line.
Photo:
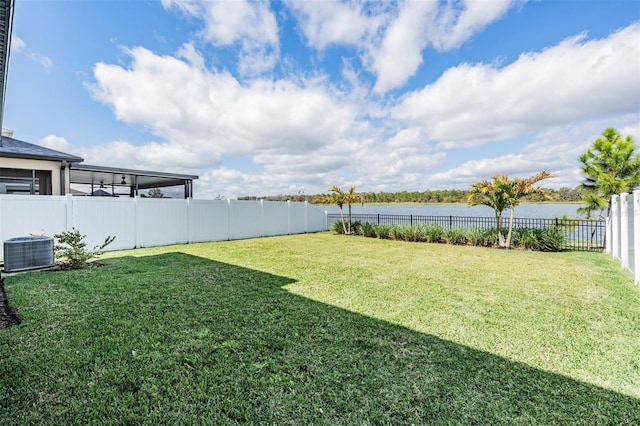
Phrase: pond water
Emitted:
{"points": [[533, 210]]}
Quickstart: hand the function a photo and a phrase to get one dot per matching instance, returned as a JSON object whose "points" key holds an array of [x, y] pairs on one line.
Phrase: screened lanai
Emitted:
{"points": [[115, 181]]}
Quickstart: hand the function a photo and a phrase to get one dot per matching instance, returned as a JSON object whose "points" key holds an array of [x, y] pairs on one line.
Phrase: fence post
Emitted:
{"points": [[636, 236], [607, 235], [229, 219], [288, 218], [136, 222], [378, 218], [189, 221], [624, 230], [411, 219], [615, 227], [450, 221], [68, 205]]}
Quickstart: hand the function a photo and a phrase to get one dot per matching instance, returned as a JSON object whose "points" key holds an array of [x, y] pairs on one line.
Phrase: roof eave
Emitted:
{"points": [[70, 159]]}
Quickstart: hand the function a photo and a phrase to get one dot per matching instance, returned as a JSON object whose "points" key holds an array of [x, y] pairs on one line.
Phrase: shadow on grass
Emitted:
{"points": [[178, 338]]}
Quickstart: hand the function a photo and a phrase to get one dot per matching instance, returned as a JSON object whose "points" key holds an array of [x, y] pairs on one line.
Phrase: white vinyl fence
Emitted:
{"points": [[623, 232], [147, 222]]}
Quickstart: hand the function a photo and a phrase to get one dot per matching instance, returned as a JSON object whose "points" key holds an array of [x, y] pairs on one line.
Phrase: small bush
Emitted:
{"points": [[526, 238], [552, 239], [398, 232], [72, 250], [368, 230], [382, 231], [454, 236], [337, 227], [356, 227], [433, 233], [414, 233], [490, 237], [475, 236]]}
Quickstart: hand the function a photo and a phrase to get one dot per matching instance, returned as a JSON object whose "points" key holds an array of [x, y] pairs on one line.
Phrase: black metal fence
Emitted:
{"points": [[582, 234]]}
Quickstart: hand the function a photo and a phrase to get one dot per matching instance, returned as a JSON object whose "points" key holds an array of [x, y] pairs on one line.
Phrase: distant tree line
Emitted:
{"points": [[436, 196]]}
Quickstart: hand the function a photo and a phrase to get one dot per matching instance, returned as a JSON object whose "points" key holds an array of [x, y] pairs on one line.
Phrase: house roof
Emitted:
{"points": [[97, 175], [15, 148], [143, 179]]}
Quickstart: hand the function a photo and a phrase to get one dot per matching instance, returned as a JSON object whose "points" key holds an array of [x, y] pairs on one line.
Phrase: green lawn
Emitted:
{"points": [[325, 329]]}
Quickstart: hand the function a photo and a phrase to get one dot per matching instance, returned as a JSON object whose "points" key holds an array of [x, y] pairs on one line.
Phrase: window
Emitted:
{"points": [[22, 181]]}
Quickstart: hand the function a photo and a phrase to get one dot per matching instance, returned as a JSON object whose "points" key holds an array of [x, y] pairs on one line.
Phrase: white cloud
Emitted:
{"points": [[391, 36], [57, 143], [19, 46], [185, 104], [329, 22], [260, 136], [457, 22], [150, 156], [555, 149], [293, 130], [422, 24], [249, 24], [400, 53], [575, 81]]}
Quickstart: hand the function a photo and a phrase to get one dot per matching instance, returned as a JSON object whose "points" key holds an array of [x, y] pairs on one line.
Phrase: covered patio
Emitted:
{"points": [[112, 180]]}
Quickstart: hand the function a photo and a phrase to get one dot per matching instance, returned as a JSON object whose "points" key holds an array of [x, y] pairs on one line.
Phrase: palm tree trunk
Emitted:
{"points": [[501, 242], [508, 243], [344, 227]]}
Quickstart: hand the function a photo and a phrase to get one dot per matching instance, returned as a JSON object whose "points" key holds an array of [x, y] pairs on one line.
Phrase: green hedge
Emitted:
{"points": [[542, 239]]}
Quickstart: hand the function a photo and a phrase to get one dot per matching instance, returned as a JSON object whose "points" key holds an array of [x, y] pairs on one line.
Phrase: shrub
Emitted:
{"points": [[414, 233], [337, 227], [475, 236], [526, 238], [551, 239], [490, 237], [543, 239], [72, 250], [398, 232], [382, 231], [420, 234], [433, 233], [454, 236], [368, 229], [356, 227]]}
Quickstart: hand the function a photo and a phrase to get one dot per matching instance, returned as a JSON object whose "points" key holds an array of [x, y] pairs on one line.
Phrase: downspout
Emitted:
{"points": [[63, 180]]}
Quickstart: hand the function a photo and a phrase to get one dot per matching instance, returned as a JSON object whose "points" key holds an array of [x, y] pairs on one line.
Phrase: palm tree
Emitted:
{"points": [[503, 192], [518, 188], [491, 194], [340, 198]]}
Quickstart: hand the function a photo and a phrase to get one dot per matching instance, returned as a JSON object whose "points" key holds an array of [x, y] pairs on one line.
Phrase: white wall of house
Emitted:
{"points": [[52, 166], [148, 222]]}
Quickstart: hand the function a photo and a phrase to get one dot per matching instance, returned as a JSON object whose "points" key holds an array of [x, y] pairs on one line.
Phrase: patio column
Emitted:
{"points": [[188, 189]]}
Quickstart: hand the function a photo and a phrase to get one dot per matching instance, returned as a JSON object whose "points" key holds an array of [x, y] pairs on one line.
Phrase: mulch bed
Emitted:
{"points": [[8, 316]]}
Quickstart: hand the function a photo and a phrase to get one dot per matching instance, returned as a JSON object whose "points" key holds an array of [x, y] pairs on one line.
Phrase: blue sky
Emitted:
{"points": [[266, 98]]}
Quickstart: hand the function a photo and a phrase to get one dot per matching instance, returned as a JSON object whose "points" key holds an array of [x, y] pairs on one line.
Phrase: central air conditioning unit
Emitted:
{"points": [[24, 253]]}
